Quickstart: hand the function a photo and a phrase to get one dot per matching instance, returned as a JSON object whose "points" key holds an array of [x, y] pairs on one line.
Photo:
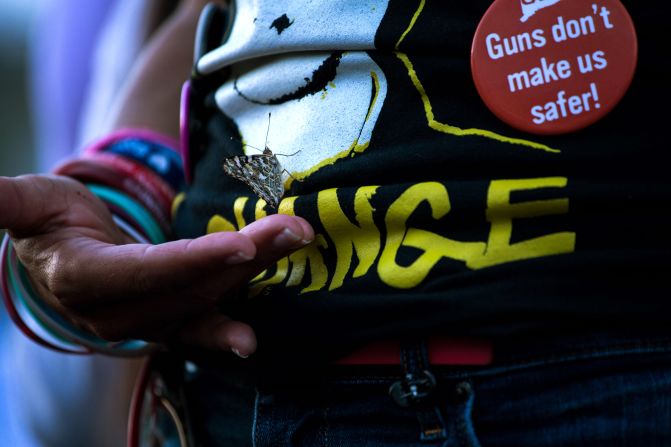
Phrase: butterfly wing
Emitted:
{"points": [[262, 173]]}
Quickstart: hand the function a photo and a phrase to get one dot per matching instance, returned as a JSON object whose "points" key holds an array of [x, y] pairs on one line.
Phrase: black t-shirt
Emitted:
{"points": [[431, 214]]}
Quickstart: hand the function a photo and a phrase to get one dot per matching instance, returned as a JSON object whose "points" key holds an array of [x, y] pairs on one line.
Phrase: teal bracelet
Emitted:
{"points": [[30, 316], [54, 322], [141, 216], [47, 327], [27, 312]]}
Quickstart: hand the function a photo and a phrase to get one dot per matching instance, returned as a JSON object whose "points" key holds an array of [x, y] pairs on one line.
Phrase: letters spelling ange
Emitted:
{"points": [[261, 172]]}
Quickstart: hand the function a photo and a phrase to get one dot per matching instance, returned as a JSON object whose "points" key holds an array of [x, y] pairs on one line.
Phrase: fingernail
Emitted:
{"points": [[306, 241], [236, 352], [238, 258], [286, 239]]}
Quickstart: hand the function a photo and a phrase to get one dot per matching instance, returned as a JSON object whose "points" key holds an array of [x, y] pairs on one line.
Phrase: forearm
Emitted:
{"points": [[150, 98]]}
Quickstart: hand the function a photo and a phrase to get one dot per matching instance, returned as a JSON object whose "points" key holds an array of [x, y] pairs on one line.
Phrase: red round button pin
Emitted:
{"points": [[553, 66]]}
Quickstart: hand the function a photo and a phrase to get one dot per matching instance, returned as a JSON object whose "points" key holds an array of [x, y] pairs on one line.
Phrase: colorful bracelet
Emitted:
{"points": [[162, 160], [102, 173], [141, 163], [136, 173], [29, 310], [33, 329], [48, 328], [140, 215], [68, 331], [42, 324], [158, 188], [130, 230], [128, 219], [32, 316], [162, 154], [131, 133]]}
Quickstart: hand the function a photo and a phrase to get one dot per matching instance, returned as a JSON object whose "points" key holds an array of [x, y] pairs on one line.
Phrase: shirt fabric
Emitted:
{"points": [[431, 215]]}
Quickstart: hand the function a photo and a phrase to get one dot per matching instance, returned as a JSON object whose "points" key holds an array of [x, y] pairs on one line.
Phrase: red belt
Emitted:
{"points": [[440, 350]]}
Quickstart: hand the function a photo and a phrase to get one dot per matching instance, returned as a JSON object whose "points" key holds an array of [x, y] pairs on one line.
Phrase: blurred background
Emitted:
{"points": [[17, 154], [62, 62], [17, 148]]}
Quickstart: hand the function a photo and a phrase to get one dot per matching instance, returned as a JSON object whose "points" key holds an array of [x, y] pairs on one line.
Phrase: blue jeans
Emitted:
{"points": [[613, 392]]}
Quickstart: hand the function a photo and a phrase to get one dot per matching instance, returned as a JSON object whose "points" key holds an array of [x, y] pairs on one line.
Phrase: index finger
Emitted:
{"points": [[28, 201]]}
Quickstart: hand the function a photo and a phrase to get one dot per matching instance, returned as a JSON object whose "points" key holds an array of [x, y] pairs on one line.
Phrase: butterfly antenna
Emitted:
{"points": [[267, 132], [289, 155], [289, 174], [245, 144]]}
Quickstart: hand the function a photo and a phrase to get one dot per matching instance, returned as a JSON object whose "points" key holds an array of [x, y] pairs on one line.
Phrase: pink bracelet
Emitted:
{"points": [[103, 172]]}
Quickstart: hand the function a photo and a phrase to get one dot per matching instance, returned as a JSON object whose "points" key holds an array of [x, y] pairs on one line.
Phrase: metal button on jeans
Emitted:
{"points": [[413, 389]]}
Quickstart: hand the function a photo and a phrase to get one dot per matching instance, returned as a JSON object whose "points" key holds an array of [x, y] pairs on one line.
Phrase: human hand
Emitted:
{"points": [[90, 272]]}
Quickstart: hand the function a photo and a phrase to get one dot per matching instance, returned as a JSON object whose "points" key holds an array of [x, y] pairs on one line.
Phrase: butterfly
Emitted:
{"points": [[261, 172]]}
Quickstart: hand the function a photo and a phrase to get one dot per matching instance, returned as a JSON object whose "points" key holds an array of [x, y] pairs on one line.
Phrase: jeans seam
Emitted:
{"points": [[326, 428], [405, 361], [255, 418]]}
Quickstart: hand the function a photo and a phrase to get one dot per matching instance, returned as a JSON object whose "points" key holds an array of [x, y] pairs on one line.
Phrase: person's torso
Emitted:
{"points": [[430, 213]]}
